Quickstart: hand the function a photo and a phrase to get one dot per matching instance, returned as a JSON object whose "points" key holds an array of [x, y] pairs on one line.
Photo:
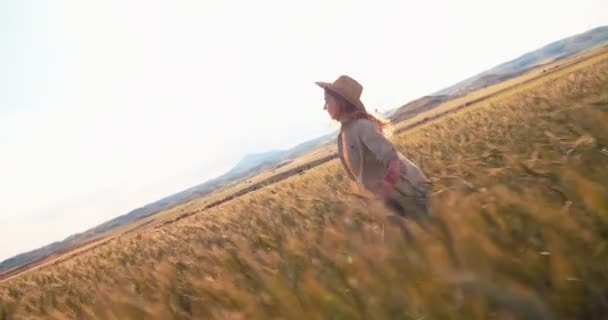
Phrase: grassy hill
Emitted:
{"points": [[552, 52], [249, 166], [520, 227], [417, 106], [254, 164], [546, 55]]}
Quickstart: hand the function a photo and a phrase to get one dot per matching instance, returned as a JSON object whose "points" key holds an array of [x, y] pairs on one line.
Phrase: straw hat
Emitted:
{"points": [[347, 88]]}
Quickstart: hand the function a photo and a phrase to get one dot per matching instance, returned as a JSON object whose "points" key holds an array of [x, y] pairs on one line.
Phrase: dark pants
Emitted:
{"points": [[409, 205], [413, 205]]}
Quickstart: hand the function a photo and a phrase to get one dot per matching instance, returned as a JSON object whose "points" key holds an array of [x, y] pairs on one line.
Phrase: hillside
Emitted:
{"points": [[248, 166], [252, 164], [554, 51], [518, 231], [417, 106]]}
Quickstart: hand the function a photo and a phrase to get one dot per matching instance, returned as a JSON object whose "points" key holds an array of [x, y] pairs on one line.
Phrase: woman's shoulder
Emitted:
{"points": [[364, 124]]}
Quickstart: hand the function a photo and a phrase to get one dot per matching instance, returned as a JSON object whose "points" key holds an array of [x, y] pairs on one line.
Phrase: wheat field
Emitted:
{"points": [[520, 231]]}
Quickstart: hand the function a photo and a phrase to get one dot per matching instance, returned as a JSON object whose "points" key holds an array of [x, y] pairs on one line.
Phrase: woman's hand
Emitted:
{"points": [[387, 188], [393, 172], [387, 185]]}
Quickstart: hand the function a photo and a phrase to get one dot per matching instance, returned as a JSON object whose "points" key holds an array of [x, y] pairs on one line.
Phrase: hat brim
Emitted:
{"points": [[329, 86]]}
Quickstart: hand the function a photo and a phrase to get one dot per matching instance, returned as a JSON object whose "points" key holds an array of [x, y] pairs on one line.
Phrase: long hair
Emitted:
{"points": [[347, 108]]}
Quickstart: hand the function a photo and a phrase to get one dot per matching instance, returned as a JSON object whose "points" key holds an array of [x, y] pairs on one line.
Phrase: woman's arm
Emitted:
{"points": [[376, 142], [384, 151]]}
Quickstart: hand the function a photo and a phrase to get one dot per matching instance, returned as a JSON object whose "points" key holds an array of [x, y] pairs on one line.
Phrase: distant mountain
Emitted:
{"points": [[251, 161], [417, 106], [554, 51], [249, 166], [255, 163], [27, 257], [252, 164]]}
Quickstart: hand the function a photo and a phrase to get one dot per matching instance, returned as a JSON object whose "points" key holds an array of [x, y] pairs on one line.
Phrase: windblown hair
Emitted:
{"points": [[348, 108]]}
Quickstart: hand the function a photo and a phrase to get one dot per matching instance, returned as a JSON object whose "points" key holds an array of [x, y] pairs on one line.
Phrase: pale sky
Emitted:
{"points": [[106, 106]]}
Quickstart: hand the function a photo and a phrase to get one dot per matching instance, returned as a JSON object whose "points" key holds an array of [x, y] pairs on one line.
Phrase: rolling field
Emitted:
{"points": [[521, 182]]}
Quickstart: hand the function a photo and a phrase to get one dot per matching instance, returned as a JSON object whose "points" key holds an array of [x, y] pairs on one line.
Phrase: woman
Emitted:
{"points": [[368, 157]]}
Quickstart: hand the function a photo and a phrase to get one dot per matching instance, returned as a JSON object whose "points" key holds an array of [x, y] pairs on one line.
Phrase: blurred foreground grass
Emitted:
{"points": [[522, 184]]}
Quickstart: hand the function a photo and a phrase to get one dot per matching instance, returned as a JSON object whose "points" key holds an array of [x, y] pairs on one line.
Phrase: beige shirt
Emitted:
{"points": [[366, 153]]}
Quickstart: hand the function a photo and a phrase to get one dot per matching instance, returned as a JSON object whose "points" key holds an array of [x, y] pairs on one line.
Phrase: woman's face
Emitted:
{"points": [[332, 105]]}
